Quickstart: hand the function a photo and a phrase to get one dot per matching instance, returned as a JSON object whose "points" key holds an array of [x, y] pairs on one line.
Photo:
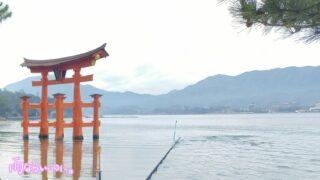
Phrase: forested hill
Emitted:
{"points": [[10, 103]]}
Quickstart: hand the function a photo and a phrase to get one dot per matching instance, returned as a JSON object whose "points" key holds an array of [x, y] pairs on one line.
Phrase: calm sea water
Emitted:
{"points": [[256, 146]]}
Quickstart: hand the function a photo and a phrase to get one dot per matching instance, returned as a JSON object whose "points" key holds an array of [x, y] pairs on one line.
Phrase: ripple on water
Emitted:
{"points": [[220, 138], [315, 160], [229, 137], [283, 167], [243, 139]]}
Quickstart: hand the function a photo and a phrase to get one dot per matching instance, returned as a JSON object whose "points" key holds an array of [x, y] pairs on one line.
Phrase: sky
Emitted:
{"points": [[155, 46]]}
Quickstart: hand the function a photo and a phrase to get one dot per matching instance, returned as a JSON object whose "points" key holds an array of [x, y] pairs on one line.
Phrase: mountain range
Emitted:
{"points": [[297, 86]]}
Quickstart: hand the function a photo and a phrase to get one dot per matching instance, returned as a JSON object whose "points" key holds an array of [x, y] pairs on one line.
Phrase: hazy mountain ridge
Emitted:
{"points": [[268, 88], [111, 101]]}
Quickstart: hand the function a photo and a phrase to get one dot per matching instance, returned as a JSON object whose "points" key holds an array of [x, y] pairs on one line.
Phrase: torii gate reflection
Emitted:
{"points": [[77, 156]]}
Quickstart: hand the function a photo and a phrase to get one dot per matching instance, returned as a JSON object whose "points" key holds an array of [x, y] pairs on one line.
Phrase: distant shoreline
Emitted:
{"points": [[133, 116]]}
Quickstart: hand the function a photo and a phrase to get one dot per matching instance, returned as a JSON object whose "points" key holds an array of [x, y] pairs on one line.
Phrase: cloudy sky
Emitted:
{"points": [[155, 45]]}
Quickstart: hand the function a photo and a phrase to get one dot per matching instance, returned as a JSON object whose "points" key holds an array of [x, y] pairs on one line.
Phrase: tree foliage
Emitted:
{"points": [[10, 103], [4, 12], [299, 17]]}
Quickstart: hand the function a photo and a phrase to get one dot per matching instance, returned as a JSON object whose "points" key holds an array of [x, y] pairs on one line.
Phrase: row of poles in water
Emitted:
{"points": [[175, 142]]}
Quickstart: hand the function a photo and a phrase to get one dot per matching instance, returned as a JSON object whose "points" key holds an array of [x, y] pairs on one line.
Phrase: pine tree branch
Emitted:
{"points": [[4, 12], [293, 16]]}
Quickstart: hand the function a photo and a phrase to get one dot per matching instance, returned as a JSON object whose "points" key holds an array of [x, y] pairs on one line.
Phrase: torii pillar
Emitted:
{"points": [[44, 129], [77, 106]]}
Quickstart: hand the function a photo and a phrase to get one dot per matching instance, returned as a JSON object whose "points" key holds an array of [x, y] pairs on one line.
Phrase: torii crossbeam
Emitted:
{"points": [[59, 67]]}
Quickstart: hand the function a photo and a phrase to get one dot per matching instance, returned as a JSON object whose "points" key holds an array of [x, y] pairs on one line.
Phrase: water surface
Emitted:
{"points": [[255, 146]]}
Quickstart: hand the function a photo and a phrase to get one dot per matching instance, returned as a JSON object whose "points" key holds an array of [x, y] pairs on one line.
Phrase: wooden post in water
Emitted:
{"points": [[59, 115], [25, 116], [96, 122]]}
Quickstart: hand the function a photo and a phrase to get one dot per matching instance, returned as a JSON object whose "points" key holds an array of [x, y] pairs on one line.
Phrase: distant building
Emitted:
{"points": [[251, 107], [315, 108], [301, 111]]}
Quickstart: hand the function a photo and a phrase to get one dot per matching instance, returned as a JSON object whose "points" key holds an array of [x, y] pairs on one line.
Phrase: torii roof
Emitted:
{"points": [[83, 60]]}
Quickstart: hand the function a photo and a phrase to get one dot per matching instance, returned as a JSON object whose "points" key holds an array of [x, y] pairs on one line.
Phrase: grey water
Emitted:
{"points": [[239, 146]]}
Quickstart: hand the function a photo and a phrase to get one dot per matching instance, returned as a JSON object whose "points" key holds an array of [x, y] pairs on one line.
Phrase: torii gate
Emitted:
{"points": [[59, 67]]}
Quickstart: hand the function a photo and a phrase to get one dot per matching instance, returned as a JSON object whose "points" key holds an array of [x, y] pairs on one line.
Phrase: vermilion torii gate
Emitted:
{"points": [[59, 67]]}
